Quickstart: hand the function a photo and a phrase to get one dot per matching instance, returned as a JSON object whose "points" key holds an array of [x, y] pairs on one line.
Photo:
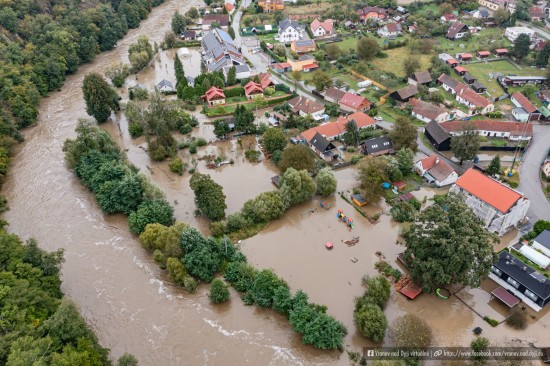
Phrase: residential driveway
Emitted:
{"points": [[530, 184]]}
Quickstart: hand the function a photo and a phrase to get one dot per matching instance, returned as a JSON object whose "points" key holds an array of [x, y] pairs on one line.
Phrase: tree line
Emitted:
{"points": [[38, 325]]}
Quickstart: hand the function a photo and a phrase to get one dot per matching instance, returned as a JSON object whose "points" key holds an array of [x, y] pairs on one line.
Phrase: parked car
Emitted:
{"points": [[378, 118]]}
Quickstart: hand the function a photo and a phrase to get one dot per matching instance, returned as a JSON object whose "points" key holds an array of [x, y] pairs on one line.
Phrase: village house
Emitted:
{"points": [[420, 78], [281, 67], [242, 71], [498, 206], [542, 243], [513, 131], [303, 46], [448, 18], [465, 57], [452, 62], [436, 171], [483, 54], [354, 103], [428, 112], [333, 95], [322, 29], [525, 110], [218, 50], [509, 5], [460, 70], [253, 90], [537, 13], [305, 63], [265, 80], [221, 19], [165, 86], [229, 8], [372, 12], [270, 6], [465, 95], [478, 87], [437, 136], [188, 35], [404, 94], [337, 129], [481, 13], [214, 96], [305, 107], [324, 148], [514, 80], [288, 31], [500, 52], [390, 30], [521, 280], [377, 146], [456, 31]]}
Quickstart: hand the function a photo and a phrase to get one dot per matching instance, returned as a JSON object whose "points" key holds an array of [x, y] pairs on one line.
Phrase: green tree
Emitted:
{"points": [[333, 51], [324, 332], [244, 120], [202, 255], [99, 97], [450, 245], [521, 46], [529, 90], [367, 48], [124, 195], [232, 75], [372, 173], [176, 271], [179, 24], [282, 300], [127, 359], [221, 129], [140, 53], [404, 134], [326, 182], [377, 292], [405, 159], [410, 330], [402, 212], [231, 33], [181, 80], [117, 73], [494, 166], [445, 8], [352, 134], [411, 65], [296, 186], [479, 344], [274, 139], [298, 157], [501, 16], [219, 292], [371, 322], [265, 207], [150, 212], [466, 145], [188, 93], [321, 80], [209, 197], [163, 238], [193, 13], [263, 289]]}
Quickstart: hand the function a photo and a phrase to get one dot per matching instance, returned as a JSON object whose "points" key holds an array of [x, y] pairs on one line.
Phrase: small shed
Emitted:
{"points": [[461, 70], [452, 62], [503, 295], [469, 78], [483, 54], [465, 56], [478, 87], [400, 185], [500, 52], [359, 200], [406, 197]]}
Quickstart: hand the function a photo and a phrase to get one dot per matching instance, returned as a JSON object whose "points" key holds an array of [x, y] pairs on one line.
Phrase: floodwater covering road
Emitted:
{"points": [[132, 306]]}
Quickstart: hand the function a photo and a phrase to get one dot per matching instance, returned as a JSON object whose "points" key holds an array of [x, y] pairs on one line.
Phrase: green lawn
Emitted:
{"points": [[487, 39], [269, 38], [347, 44], [396, 57]]}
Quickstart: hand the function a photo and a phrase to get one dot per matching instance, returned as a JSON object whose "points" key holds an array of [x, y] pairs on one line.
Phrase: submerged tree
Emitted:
{"points": [[209, 197], [326, 182], [447, 244], [100, 98]]}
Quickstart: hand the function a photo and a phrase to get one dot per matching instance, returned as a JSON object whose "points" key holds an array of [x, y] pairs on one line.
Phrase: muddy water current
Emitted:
{"points": [[133, 307]]}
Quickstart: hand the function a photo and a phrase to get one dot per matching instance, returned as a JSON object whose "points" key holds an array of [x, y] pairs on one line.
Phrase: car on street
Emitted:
{"points": [[378, 118]]}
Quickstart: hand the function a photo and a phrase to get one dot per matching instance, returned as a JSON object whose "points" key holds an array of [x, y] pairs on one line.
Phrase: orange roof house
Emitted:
{"points": [[436, 171], [324, 28], [270, 6], [336, 129], [252, 89], [498, 206], [214, 96], [354, 103], [230, 8], [265, 79]]}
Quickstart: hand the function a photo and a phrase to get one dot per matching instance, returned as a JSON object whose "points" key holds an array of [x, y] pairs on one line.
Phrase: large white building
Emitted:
{"points": [[512, 33], [288, 31], [498, 206]]}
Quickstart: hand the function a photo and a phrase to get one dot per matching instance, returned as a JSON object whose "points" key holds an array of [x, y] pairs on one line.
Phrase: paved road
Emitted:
{"points": [[541, 32], [530, 184]]}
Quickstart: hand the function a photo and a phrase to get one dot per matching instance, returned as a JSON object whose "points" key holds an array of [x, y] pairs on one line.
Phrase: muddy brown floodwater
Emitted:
{"points": [[129, 302]]}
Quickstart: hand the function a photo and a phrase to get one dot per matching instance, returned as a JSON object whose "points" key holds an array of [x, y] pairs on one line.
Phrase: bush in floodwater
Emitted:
{"points": [[177, 166], [219, 292], [517, 320], [135, 129], [150, 212], [411, 331], [371, 322], [185, 129], [201, 141], [403, 212], [193, 148], [491, 321]]}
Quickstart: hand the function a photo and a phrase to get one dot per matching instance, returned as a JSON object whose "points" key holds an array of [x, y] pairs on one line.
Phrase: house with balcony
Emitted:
{"points": [[498, 206]]}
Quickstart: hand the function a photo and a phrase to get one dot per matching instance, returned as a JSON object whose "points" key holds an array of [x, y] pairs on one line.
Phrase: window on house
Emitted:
{"points": [[512, 282], [496, 270], [531, 295]]}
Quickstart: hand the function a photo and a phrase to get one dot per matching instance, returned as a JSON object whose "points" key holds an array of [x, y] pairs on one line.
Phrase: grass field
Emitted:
{"points": [[486, 40], [394, 61]]}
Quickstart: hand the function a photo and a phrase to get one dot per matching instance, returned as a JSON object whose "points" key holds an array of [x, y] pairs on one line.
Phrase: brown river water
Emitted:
{"points": [[134, 308]]}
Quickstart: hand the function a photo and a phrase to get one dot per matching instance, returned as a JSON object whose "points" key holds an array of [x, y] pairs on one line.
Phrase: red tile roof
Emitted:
{"points": [[213, 93], [229, 7], [449, 17], [327, 25], [484, 53], [461, 69], [333, 129], [437, 167], [465, 55], [452, 61], [471, 96], [514, 128], [354, 101], [425, 109], [488, 190], [281, 65], [265, 79], [253, 88], [310, 66], [362, 119], [524, 102], [501, 50]]}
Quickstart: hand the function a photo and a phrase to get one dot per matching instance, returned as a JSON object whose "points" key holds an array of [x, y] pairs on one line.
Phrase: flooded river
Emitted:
{"points": [[132, 306]]}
